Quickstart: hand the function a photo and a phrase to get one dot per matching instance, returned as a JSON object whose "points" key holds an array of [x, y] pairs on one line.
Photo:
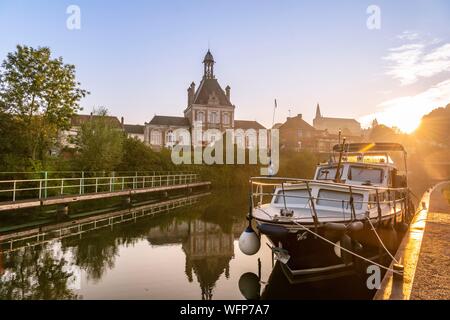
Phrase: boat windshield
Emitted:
{"points": [[298, 196], [328, 173], [338, 199], [365, 174]]}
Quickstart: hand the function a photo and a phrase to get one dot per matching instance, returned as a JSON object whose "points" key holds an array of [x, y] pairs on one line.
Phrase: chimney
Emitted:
{"points": [[300, 115], [191, 93], [227, 91], [121, 121]]}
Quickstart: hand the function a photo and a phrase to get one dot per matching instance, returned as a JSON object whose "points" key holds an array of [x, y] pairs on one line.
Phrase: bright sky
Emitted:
{"points": [[138, 57]]}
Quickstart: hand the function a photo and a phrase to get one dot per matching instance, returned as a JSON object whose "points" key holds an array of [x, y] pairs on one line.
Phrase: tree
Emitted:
{"points": [[100, 143], [137, 156], [382, 133], [435, 126], [41, 93]]}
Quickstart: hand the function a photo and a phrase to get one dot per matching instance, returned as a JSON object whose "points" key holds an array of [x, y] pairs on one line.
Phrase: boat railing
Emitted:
{"points": [[388, 202], [382, 196]]}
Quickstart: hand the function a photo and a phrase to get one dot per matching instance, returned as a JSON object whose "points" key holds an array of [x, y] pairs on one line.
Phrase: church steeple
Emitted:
{"points": [[209, 65], [318, 114]]}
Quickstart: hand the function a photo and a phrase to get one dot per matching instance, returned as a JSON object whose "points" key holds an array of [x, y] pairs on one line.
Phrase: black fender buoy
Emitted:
{"points": [[249, 286], [333, 226], [402, 226], [346, 243], [355, 226]]}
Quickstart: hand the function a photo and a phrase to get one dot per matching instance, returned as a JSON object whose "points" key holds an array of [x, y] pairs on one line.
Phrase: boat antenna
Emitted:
{"points": [[337, 177]]}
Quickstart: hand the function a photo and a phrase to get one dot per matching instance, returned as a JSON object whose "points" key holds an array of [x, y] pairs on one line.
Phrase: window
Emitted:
{"points": [[365, 174], [299, 197], [200, 116], [328, 173], [213, 117], [169, 136], [337, 199], [155, 137], [226, 118]]}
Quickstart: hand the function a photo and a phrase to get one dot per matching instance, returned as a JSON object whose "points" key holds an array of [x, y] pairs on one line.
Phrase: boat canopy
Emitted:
{"points": [[369, 147]]}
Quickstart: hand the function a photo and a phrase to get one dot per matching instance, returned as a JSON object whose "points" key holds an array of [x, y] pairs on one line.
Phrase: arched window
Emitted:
{"points": [[155, 137]]}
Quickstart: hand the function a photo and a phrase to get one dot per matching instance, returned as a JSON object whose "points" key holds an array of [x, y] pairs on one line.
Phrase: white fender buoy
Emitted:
{"points": [[346, 243], [250, 286], [249, 242]]}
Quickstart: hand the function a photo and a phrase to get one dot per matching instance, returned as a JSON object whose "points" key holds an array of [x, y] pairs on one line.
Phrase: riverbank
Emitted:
{"points": [[424, 253]]}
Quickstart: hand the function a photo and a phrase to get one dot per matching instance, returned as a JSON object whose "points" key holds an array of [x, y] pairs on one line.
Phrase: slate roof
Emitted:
{"points": [[134, 128], [206, 88], [336, 120], [170, 121], [297, 122], [78, 119], [247, 124]]}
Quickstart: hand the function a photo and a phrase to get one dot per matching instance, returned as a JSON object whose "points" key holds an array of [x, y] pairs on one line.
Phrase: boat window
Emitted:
{"points": [[337, 199], [365, 174], [299, 196], [328, 173]]}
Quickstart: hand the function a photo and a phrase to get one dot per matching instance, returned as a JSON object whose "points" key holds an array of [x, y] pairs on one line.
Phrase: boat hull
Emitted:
{"points": [[311, 255]]}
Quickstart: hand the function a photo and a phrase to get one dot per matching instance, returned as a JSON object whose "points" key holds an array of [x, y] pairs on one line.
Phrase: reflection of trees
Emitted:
{"points": [[35, 273], [95, 251], [96, 254]]}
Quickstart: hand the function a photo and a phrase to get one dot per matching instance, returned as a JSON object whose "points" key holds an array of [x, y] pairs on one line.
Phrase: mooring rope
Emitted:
{"points": [[342, 248]]}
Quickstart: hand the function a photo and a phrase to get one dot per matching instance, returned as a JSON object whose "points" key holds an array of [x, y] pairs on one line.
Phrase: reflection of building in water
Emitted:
{"points": [[208, 253], [175, 232], [208, 249]]}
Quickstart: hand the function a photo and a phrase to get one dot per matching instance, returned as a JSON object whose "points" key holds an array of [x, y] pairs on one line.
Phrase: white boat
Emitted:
{"points": [[355, 201]]}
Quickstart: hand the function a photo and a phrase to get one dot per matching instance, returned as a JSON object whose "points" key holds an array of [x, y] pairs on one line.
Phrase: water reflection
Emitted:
{"points": [[46, 270], [189, 253], [208, 253], [36, 273]]}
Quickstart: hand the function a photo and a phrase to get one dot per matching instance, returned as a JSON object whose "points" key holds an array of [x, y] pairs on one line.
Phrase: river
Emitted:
{"points": [[190, 252]]}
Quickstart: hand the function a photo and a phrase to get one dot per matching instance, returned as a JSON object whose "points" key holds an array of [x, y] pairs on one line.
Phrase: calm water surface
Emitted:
{"points": [[189, 253]]}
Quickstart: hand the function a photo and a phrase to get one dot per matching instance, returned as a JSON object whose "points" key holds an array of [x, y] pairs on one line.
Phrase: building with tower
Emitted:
{"points": [[348, 127], [208, 107]]}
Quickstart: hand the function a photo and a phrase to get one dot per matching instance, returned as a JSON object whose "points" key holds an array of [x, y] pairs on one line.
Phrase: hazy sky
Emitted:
{"points": [[138, 57]]}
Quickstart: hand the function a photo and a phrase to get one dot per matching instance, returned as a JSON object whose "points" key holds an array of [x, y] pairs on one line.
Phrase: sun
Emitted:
{"points": [[405, 119], [408, 123]]}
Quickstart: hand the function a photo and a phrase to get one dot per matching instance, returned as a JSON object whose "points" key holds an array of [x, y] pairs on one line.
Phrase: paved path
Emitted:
{"points": [[432, 277], [424, 253]]}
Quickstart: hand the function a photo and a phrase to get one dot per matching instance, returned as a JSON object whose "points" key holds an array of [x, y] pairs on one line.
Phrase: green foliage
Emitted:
{"points": [[298, 164], [41, 94], [137, 156], [99, 144]]}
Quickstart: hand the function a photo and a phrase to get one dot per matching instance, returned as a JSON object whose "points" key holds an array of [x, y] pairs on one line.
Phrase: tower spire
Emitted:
{"points": [[209, 65], [318, 114]]}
